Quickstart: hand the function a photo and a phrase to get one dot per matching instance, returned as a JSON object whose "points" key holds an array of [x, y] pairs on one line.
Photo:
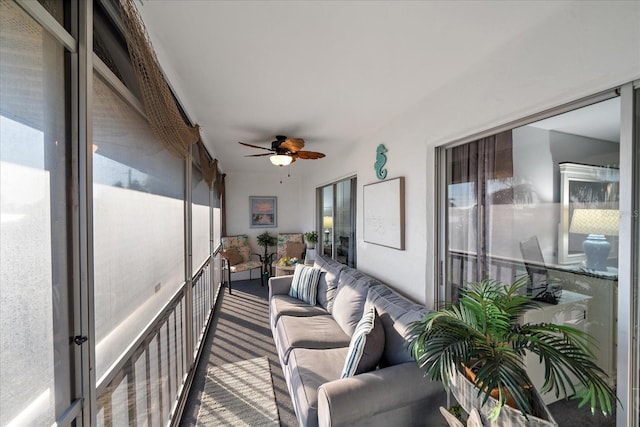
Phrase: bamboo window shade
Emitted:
{"points": [[209, 169]]}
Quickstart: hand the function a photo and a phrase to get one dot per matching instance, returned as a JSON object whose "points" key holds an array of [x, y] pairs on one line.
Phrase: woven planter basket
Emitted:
{"points": [[466, 393]]}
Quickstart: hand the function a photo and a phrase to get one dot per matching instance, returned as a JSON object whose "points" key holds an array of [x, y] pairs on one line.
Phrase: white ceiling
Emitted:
{"points": [[599, 121], [331, 72]]}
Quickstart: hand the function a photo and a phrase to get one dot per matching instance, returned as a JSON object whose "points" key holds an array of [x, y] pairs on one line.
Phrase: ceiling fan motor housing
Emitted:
{"points": [[275, 145]]}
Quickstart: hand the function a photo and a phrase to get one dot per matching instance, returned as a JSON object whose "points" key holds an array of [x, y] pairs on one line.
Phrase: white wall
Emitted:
{"points": [[580, 52], [533, 161], [583, 50], [290, 220], [404, 270]]}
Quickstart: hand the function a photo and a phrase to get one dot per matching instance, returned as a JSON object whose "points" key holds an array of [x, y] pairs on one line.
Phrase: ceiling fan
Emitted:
{"points": [[285, 150]]}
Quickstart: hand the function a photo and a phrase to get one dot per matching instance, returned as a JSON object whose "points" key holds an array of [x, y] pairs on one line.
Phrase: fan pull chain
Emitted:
{"points": [[288, 174]]}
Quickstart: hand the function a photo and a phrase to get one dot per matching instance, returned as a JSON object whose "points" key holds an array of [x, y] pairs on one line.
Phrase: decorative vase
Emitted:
{"points": [[310, 256]]}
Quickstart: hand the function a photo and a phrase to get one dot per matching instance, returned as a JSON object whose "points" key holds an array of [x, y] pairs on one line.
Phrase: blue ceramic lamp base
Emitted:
{"points": [[596, 248]]}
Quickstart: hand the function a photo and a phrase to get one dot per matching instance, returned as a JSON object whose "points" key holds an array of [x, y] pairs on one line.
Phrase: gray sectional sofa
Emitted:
{"points": [[313, 341]]}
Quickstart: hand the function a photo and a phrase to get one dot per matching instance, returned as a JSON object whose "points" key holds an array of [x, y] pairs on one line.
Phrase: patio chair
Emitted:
{"points": [[290, 245], [236, 254]]}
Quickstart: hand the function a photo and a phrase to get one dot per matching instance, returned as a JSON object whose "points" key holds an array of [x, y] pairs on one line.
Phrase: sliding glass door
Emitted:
{"points": [[336, 216], [532, 202]]}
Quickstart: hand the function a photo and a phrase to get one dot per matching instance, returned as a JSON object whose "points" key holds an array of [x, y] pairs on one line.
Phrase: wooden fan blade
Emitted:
{"points": [[292, 144], [259, 155], [255, 146], [309, 155]]}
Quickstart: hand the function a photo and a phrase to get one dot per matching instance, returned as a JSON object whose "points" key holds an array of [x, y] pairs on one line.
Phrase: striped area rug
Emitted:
{"points": [[239, 394]]}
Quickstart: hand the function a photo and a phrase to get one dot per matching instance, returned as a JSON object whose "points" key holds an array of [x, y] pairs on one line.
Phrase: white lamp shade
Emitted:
{"points": [[327, 222], [595, 221], [281, 159]]}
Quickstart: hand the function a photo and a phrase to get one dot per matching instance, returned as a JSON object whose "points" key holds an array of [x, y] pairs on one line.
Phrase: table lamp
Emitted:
{"points": [[327, 224], [596, 223]]}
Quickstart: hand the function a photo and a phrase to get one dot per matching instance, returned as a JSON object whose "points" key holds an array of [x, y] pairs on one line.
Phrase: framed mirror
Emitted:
{"points": [[583, 187]]}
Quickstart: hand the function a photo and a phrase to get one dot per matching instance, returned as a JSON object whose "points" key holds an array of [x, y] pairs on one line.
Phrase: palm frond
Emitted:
{"points": [[566, 354]]}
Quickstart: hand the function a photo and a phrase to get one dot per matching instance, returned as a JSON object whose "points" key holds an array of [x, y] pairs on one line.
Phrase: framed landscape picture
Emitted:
{"points": [[263, 211]]}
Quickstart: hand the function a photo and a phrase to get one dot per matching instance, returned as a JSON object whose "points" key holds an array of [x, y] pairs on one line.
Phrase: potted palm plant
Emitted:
{"points": [[266, 240], [482, 333]]}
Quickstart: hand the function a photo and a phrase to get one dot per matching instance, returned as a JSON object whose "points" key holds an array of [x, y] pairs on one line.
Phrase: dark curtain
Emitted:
{"points": [[483, 159], [478, 162]]}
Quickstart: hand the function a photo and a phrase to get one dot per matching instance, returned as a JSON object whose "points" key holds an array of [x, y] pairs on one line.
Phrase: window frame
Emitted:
{"points": [[67, 386]]}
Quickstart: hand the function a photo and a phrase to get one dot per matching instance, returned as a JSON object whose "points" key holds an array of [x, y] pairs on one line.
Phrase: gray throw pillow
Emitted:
{"points": [[348, 304], [328, 283]]}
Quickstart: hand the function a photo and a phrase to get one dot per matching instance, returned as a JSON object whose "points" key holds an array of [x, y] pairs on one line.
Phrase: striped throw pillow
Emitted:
{"points": [[366, 346], [304, 285]]}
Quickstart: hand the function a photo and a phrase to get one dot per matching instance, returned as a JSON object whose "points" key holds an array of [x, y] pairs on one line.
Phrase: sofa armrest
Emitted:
{"points": [[280, 285], [353, 400]]}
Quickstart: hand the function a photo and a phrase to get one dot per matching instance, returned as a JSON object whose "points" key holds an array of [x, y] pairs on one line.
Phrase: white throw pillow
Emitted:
{"points": [[304, 285]]}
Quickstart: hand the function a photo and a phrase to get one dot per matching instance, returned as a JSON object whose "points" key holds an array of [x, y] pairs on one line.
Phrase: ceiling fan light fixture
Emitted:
{"points": [[281, 159]]}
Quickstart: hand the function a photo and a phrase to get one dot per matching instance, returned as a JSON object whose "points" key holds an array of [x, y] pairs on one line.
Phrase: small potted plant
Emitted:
{"points": [[311, 237], [266, 240], [482, 333]]}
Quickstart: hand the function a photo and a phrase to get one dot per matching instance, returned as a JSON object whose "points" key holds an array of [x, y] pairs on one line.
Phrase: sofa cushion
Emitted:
{"points": [[351, 295], [366, 346], [308, 370], [328, 282], [396, 313], [318, 332], [285, 305], [304, 285], [244, 266]]}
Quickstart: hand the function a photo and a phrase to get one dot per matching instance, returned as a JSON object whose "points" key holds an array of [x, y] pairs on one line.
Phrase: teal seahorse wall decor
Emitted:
{"points": [[381, 160]]}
